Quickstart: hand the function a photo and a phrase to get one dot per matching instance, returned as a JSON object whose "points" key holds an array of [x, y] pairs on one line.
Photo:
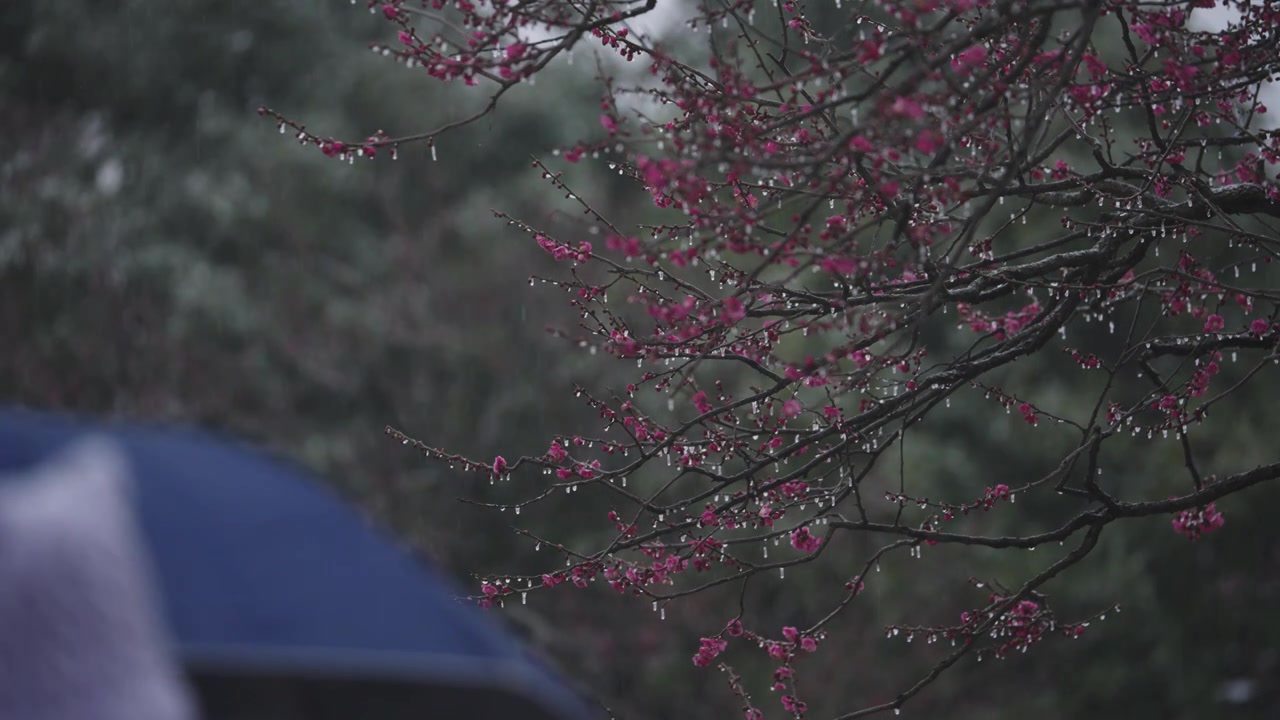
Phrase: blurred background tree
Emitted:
{"points": [[163, 256]]}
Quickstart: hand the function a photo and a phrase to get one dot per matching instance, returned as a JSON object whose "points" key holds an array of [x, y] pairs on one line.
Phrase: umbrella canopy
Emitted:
{"points": [[281, 598]]}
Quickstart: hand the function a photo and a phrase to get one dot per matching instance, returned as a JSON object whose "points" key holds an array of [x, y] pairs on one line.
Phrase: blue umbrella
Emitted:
{"points": [[283, 599]]}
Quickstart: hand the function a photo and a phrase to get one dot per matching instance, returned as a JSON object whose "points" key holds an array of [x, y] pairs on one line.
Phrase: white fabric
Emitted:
{"points": [[80, 635]]}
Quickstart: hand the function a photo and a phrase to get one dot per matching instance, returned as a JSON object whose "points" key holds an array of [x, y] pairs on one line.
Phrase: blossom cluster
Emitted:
{"points": [[841, 245]]}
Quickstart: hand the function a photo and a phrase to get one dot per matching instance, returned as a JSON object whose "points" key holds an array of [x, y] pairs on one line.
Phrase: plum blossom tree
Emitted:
{"points": [[863, 213]]}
